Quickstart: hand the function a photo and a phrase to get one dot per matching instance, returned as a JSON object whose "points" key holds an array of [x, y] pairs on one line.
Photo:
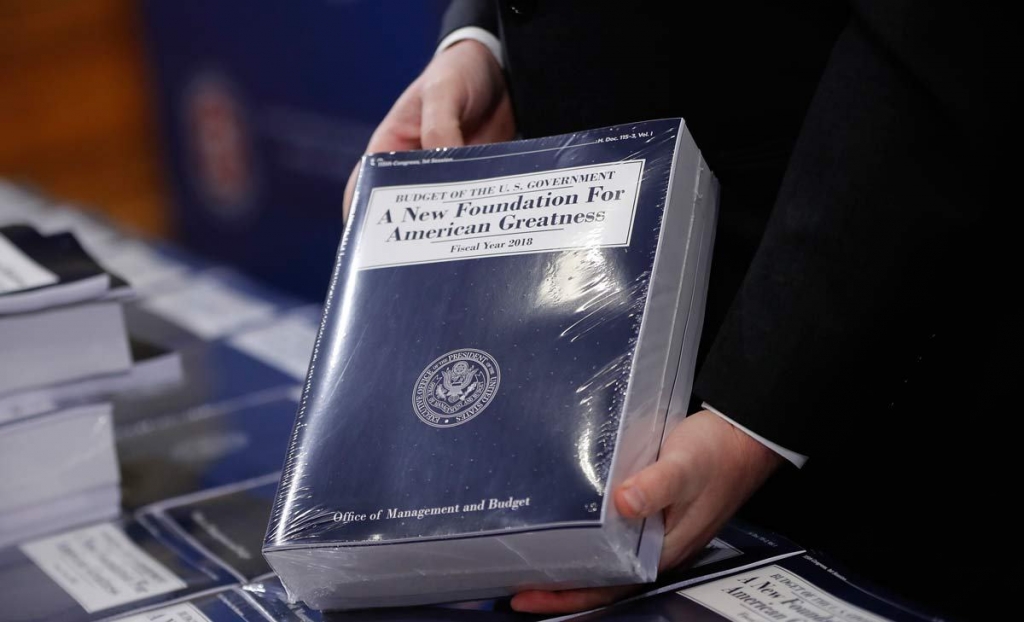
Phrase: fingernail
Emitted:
{"points": [[635, 499]]}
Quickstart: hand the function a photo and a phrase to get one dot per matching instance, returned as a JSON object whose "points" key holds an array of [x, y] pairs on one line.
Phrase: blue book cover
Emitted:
{"points": [[738, 546], [261, 124], [202, 449], [802, 588], [507, 329], [227, 522], [229, 605], [96, 572], [216, 378]]}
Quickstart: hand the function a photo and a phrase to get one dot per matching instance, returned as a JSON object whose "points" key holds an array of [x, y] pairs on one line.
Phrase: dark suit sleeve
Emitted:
{"points": [[863, 253], [462, 13]]}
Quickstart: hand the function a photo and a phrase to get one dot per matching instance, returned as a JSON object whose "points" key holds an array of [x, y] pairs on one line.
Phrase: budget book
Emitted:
{"points": [[508, 330]]}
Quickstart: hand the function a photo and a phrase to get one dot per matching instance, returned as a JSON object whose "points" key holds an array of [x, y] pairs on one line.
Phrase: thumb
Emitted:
{"points": [[676, 478], [440, 124]]}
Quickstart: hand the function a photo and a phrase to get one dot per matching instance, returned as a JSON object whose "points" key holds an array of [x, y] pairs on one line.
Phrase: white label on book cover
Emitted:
{"points": [[286, 344], [182, 612], [563, 209], [18, 271], [774, 593], [209, 308], [101, 568]]}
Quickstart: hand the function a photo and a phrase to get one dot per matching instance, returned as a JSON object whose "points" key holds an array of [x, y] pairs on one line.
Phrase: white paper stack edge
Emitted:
{"points": [[59, 469]]}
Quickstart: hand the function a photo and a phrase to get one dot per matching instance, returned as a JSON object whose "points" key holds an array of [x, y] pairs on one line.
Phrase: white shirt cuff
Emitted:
{"points": [[798, 460], [476, 34]]}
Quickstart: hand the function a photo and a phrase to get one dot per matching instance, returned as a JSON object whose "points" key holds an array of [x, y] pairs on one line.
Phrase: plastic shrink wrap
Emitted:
{"points": [[508, 331]]}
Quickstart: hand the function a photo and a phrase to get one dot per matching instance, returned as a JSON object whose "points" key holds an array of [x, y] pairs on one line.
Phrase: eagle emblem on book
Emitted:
{"points": [[457, 382]]}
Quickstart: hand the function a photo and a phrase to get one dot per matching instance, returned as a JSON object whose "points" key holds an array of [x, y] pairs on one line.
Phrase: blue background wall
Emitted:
{"points": [[265, 108]]}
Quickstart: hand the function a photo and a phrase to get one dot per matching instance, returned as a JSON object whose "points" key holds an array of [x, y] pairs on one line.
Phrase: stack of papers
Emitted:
{"points": [[66, 351]]}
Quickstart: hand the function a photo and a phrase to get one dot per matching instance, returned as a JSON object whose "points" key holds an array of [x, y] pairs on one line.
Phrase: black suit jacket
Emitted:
{"points": [[845, 305]]}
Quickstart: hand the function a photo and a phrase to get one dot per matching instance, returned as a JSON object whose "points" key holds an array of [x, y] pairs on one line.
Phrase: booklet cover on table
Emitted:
{"points": [[229, 605], [227, 522], [180, 454], [507, 329], [96, 572], [736, 547], [216, 377], [804, 588]]}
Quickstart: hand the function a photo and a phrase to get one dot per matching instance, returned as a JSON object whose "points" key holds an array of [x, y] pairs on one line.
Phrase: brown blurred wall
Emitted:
{"points": [[76, 116]]}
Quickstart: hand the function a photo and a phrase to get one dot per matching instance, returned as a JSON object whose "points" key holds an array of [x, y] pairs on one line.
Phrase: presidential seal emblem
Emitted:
{"points": [[455, 388]]}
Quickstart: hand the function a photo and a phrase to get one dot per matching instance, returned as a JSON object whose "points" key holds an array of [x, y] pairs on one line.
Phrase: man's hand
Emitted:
{"points": [[460, 99], [706, 470]]}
